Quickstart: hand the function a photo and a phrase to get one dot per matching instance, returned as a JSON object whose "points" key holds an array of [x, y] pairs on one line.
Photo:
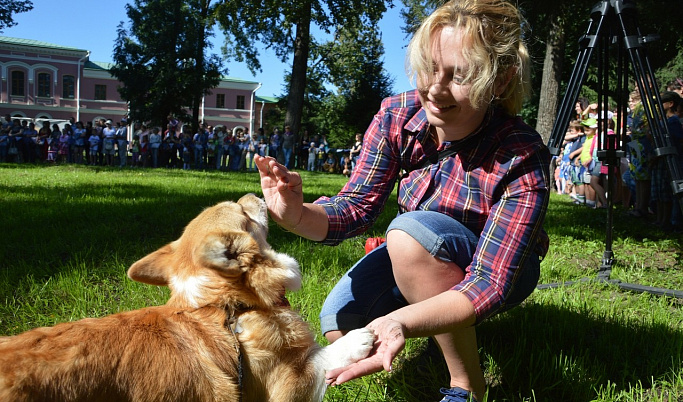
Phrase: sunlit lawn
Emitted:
{"points": [[69, 234]]}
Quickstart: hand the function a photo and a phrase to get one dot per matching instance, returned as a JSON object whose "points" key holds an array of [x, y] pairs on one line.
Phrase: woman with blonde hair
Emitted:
{"points": [[473, 189]]}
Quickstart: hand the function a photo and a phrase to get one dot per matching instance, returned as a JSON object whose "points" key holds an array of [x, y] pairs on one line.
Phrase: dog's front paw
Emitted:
{"points": [[350, 348], [359, 343]]}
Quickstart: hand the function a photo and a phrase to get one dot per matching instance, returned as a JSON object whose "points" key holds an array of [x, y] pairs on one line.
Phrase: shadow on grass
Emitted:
{"points": [[553, 354], [565, 219], [52, 225]]}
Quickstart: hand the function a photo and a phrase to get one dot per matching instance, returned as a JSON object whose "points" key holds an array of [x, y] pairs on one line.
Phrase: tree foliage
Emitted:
{"points": [[671, 71], [10, 7], [160, 59], [352, 63], [414, 11], [284, 26]]}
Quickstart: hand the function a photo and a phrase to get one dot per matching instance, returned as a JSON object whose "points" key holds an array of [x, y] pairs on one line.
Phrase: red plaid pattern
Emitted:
{"points": [[496, 185]]}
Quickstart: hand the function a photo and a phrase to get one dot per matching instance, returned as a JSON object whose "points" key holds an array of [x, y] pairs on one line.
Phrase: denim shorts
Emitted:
{"points": [[368, 290]]}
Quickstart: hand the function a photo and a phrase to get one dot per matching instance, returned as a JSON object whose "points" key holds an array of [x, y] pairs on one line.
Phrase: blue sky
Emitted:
{"points": [[91, 25]]}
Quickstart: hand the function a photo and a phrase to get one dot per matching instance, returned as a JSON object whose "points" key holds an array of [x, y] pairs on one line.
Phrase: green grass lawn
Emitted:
{"points": [[70, 232]]}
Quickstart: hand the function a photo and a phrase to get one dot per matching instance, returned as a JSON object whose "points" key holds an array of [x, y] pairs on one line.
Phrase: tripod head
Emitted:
{"points": [[612, 22]]}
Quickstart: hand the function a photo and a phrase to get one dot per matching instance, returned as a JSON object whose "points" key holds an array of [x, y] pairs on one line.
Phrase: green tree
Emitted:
{"points": [[285, 26], [10, 7], [549, 29], [161, 59], [414, 11], [315, 97], [672, 70], [352, 63]]}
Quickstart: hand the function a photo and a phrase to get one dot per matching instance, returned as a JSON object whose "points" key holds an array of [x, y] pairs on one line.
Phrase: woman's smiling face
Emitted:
{"points": [[444, 96]]}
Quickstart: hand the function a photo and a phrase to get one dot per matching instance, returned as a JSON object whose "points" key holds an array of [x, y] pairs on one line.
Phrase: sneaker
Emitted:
{"points": [[456, 394]]}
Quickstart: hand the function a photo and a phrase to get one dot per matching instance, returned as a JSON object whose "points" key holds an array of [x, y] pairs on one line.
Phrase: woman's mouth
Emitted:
{"points": [[440, 107]]}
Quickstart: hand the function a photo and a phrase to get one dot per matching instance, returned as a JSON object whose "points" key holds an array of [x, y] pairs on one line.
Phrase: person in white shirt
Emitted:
{"points": [[109, 134]]}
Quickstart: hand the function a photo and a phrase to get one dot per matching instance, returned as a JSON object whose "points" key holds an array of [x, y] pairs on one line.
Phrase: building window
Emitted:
{"points": [[220, 101], [68, 87], [240, 102], [44, 85], [100, 92], [18, 83]]}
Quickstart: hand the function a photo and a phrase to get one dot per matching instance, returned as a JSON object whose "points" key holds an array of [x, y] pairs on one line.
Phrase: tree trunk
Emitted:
{"points": [[198, 90], [297, 85], [552, 74]]}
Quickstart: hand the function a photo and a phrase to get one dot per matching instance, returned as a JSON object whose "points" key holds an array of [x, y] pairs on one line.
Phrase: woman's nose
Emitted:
{"points": [[440, 84]]}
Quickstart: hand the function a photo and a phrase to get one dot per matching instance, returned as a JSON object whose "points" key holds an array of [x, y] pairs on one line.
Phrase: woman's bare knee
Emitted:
{"points": [[418, 274]]}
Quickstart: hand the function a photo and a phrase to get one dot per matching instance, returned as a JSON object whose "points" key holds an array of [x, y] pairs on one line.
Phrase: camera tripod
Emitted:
{"points": [[613, 24]]}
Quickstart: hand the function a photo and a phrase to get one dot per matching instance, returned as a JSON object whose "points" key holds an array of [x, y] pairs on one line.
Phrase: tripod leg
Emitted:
{"points": [[587, 44]]}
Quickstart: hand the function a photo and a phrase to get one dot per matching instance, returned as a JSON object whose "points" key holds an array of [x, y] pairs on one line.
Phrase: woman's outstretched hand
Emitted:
{"points": [[390, 342], [282, 191]]}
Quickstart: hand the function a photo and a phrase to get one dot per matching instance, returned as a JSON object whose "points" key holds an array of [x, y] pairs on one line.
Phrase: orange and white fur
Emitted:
{"points": [[224, 316]]}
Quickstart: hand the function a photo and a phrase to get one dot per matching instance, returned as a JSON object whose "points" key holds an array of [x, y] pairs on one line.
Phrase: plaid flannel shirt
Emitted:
{"points": [[496, 185]]}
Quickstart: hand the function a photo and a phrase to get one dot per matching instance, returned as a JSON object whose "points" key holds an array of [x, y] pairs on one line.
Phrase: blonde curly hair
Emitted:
{"points": [[496, 53]]}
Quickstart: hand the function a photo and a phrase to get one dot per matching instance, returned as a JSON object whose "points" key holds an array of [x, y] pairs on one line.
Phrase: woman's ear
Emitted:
{"points": [[502, 81]]}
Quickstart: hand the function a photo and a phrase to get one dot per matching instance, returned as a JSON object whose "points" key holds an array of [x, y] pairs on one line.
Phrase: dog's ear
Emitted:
{"points": [[255, 209], [152, 268], [229, 253]]}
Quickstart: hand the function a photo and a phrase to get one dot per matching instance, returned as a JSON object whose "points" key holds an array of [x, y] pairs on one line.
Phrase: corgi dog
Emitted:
{"points": [[224, 334]]}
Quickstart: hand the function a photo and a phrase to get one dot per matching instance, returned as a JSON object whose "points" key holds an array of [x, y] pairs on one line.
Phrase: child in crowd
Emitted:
{"points": [[346, 165], [63, 145], [262, 147], [598, 170], [577, 170], [330, 165], [79, 142], [589, 161], [135, 149], [320, 158], [53, 148], [641, 151], [144, 150], [94, 141], [565, 170], [555, 164], [312, 155], [187, 150], [4, 144]]}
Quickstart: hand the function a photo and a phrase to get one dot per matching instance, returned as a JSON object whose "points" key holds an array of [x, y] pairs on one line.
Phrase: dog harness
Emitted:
{"points": [[233, 325]]}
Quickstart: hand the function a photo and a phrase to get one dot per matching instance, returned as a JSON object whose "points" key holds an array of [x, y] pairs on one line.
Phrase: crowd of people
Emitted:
{"points": [[105, 143], [643, 182]]}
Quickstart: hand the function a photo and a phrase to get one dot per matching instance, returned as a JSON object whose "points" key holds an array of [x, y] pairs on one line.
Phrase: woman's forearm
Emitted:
{"points": [[442, 313], [313, 224]]}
